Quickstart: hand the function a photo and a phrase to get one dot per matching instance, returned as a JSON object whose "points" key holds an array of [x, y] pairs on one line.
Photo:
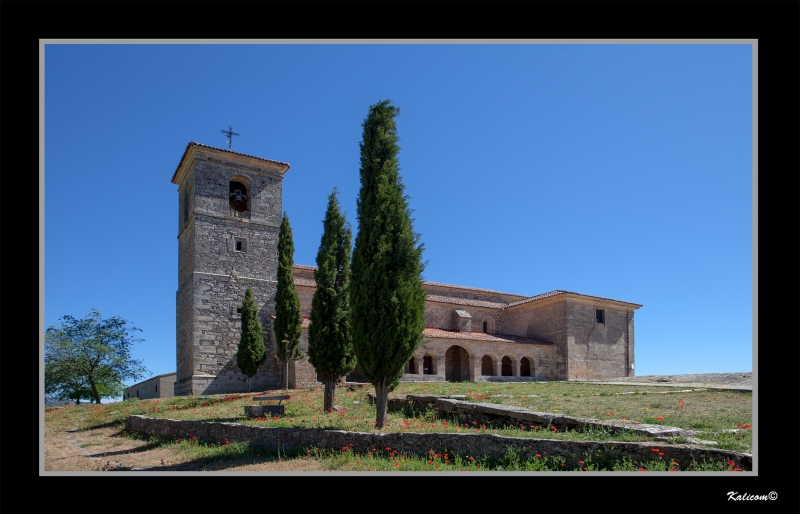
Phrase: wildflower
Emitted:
{"points": [[661, 454], [538, 455], [471, 458], [655, 450], [586, 469], [659, 418], [730, 463], [642, 469], [673, 470], [580, 462], [675, 463]]}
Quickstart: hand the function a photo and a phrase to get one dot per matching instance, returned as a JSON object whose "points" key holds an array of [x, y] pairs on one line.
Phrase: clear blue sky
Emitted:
{"points": [[620, 171]]}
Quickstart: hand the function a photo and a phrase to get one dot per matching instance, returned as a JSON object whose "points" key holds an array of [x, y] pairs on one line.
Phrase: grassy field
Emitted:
{"points": [[720, 416]]}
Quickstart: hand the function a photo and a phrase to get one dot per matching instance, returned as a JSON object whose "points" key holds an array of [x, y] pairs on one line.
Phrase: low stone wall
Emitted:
{"points": [[497, 414], [491, 445]]}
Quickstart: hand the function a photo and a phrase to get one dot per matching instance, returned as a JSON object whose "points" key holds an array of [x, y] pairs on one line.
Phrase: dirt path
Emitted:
{"points": [[103, 449]]}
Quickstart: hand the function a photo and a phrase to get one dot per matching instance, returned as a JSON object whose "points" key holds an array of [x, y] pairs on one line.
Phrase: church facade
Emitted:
{"points": [[229, 214]]}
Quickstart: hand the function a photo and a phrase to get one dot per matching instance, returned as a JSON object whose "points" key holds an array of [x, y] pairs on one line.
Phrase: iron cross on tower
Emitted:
{"points": [[230, 133]]}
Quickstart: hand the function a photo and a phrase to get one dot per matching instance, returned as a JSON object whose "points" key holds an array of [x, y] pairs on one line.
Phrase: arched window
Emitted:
{"points": [[488, 325], [485, 327]]}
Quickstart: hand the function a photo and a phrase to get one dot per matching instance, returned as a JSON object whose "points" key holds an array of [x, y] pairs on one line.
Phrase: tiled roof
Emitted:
{"points": [[439, 333], [534, 298], [439, 284], [194, 143], [464, 301], [558, 292], [303, 266]]}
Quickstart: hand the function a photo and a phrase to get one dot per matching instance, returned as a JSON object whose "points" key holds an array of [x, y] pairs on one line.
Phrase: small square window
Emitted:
{"points": [[238, 310], [600, 316], [238, 246]]}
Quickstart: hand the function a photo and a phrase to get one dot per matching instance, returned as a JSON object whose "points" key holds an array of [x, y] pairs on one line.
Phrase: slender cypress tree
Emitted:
{"points": [[386, 296], [251, 352], [330, 344], [287, 304]]}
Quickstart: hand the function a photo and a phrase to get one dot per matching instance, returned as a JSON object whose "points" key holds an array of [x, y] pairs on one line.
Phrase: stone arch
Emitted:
{"points": [[487, 326], [487, 366], [411, 365], [526, 367], [456, 364], [507, 366], [239, 188]]}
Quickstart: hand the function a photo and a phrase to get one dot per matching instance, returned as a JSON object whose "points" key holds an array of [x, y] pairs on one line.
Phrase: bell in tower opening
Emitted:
{"points": [[238, 196]]}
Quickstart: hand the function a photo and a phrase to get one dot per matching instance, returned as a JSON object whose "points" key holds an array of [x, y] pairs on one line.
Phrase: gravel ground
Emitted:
{"points": [[744, 378]]}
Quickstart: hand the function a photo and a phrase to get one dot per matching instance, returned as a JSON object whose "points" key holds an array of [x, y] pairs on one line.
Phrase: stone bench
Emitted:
{"points": [[279, 398], [261, 410]]}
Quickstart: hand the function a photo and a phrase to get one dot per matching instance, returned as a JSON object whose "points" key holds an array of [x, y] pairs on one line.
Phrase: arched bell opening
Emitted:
{"points": [[237, 197]]}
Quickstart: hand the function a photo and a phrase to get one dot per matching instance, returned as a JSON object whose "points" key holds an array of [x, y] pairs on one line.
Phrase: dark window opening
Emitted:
{"points": [[485, 327], [185, 206], [237, 196], [600, 316], [137, 393], [427, 365], [412, 366], [238, 246], [156, 387], [238, 310]]}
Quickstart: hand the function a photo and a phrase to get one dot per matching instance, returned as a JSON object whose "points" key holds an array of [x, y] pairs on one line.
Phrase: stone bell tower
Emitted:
{"points": [[229, 215]]}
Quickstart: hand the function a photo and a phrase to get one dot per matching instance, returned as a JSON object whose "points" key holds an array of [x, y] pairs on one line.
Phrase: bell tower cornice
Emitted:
{"points": [[249, 162]]}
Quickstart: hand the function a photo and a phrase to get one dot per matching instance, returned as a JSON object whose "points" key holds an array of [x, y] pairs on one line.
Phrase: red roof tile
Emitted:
{"points": [[464, 301], [440, 333]]}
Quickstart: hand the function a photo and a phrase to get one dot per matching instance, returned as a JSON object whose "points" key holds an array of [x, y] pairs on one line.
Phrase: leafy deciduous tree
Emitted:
{"points": [[387, 297], [288, 319], [330, 345], [90, 355], [251, 352]]}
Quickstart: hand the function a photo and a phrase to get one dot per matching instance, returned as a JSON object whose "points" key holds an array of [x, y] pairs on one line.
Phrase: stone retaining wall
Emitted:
{"points": [[491, 445]]}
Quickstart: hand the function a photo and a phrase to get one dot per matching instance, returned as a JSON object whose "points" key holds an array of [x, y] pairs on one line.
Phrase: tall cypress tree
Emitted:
{"points": [[330, 344], [387, 298], [251, 352], [287, 304]]}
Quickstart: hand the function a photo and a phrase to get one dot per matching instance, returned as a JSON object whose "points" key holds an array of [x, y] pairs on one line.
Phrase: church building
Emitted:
{"points": [[229, 215]]}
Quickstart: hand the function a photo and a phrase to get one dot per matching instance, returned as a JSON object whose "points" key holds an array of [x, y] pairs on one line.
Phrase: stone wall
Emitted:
{"points": [[490, 445], [440, 315], [598, 350], [161, 386]]}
